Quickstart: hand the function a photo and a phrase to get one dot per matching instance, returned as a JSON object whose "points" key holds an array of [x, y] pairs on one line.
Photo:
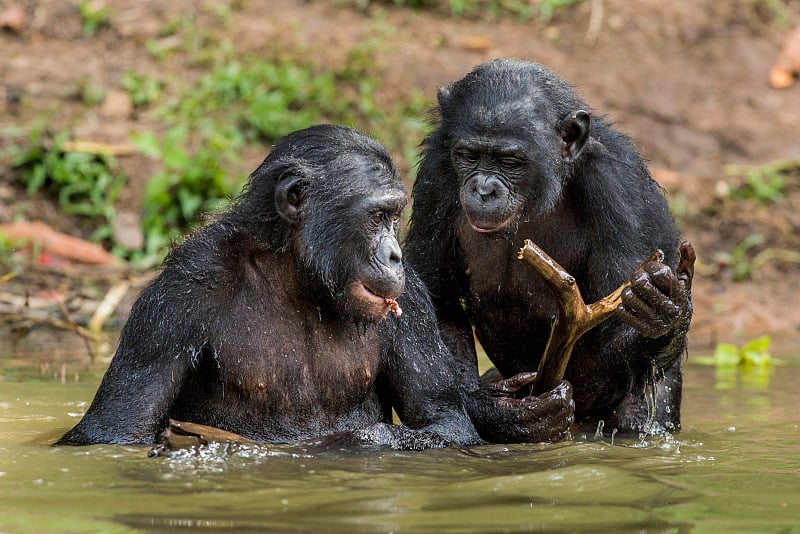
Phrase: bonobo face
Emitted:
{"points": [[348, 234], [491, 173], [503, 177], [378, 276], [509, 144]]}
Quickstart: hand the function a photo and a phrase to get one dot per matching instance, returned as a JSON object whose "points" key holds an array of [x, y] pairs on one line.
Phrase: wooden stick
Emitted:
{"points": [[184, 435], [574, 317], [102, 149]]}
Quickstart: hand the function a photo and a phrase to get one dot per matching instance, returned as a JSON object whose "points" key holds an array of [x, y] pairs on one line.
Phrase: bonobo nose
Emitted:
{"points": [[486, 187], [395, 255], [391, 255]]}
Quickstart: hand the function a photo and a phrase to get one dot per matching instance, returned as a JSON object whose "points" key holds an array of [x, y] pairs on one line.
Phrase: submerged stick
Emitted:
{"points": [[574, 317], [184, 435]]}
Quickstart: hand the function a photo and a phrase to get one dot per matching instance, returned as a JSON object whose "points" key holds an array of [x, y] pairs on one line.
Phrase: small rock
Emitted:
{"points": [[117, 104], [127, 230], [787, 66], [13, 18]]}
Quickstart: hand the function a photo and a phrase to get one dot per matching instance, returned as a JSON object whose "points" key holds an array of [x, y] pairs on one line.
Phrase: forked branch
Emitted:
{"points": [[574, 317]]}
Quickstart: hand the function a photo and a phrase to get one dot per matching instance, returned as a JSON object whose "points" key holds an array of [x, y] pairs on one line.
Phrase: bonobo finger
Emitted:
{"points": [[641, 316], [631, 303], [513, 384], [643, 286], [555, 400], [662, 277], [648, 324], [685, 270], [508, 402]]}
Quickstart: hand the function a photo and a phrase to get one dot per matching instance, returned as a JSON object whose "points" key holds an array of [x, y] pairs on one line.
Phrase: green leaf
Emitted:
{"points": [[726, 355], [147, 143], [756, 359], [759, 344]]}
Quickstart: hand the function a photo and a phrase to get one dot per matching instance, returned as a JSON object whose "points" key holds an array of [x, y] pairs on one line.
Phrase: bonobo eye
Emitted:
{"points": [[510, 161], [380, 217], [466, 156]]}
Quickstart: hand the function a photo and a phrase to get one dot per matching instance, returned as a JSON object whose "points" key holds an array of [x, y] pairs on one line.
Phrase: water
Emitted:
{"points": [[734, 468]]}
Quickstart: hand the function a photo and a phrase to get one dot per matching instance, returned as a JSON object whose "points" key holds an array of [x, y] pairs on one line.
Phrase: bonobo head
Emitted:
{"points": [[513, 129], [332, 197]]}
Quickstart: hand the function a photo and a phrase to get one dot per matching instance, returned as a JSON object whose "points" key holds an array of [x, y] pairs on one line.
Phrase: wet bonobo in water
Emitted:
{"points": [[281, 321], [516, 155]]}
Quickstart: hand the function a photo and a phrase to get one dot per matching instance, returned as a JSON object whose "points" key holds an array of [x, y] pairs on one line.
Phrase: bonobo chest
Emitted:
{"points": [[322, 360], [281, 374], [499, 286], [511, 308]]}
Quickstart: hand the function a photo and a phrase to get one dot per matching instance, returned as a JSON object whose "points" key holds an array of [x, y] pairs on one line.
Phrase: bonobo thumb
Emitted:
{"points": [[685, 270]]}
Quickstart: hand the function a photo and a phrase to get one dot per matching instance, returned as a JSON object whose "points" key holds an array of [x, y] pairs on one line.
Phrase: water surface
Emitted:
{"points": [[735, 467]]}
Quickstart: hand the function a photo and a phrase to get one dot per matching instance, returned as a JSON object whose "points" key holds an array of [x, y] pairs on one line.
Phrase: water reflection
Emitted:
{"points": [[734, 467]]}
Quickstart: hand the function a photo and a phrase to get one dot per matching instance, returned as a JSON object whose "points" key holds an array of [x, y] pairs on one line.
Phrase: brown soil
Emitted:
{"points": [[688, 80]]}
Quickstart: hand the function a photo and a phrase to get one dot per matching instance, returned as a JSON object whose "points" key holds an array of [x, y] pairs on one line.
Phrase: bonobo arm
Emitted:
{"points": [[498, 417], [648, 338], [145, 375], [495, 414], [419, 375]]}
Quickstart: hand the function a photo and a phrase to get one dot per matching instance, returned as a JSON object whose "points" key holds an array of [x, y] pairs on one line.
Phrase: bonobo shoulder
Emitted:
{"points": [[207, 255]]}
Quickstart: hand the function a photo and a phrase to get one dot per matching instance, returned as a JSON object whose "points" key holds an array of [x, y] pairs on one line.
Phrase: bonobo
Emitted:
{"points": [[274, 321], [515, 156]]}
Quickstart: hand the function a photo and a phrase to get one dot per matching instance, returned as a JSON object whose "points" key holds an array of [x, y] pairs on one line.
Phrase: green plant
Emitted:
{"points": [[520, 9], [750, 364], [548, 7], [7, 262], [775, 12], [266, 99], [737, 260], [244, 102], [143, 90], [188, 186], [753, 353], [88, 92], [85, 184], [764, 183], [95, 15]]}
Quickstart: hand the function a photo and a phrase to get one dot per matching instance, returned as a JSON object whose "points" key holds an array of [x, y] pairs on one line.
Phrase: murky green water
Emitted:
{"points": [[734, 468]]}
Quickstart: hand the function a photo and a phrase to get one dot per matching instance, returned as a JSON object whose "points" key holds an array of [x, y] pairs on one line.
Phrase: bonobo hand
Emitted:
{"points": [[659, 301], [502, 417]]}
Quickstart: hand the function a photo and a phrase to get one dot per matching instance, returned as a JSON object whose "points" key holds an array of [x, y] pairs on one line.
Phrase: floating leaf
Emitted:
{"points": [[726, 355]]}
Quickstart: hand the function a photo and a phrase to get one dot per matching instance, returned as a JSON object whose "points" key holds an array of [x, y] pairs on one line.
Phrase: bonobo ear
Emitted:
{"points": [[289, 195], [574, 133]]}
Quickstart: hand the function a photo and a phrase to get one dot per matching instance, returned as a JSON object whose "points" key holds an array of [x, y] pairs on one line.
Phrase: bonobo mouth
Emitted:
{"points": [[489, 227], [373, 303]]}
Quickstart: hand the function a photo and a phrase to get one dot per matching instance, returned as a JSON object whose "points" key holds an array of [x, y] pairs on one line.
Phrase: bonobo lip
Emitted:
{"points": [[376, 304], [375, 295], [489, 227]]}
